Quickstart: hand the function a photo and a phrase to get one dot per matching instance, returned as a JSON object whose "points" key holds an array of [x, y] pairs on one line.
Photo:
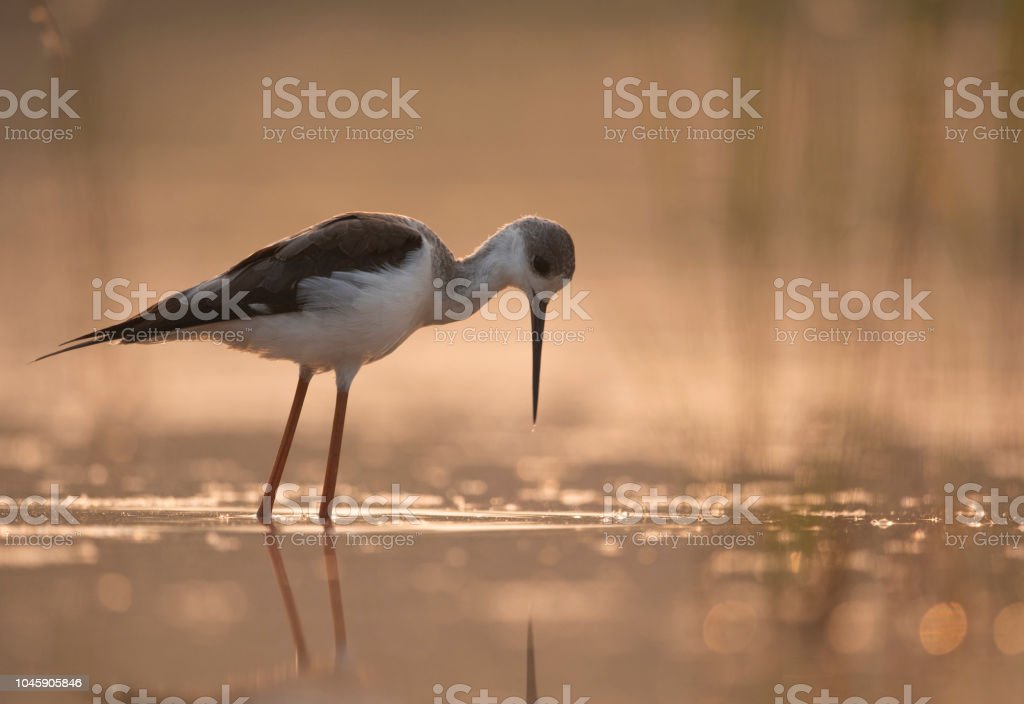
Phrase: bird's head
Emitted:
{"points": [[549, 258], [544, 264]]}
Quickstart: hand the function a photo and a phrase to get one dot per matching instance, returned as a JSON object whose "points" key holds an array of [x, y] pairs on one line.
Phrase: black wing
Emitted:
{"points": [[350, 242], [266, 282]]}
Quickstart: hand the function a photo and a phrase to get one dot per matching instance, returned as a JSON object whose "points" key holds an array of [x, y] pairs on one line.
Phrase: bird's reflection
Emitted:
{"points": [[337, 681], [340, 680], [531, 667]]}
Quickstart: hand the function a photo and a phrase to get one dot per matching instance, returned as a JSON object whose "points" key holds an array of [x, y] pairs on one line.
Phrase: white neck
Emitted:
{"points": [[495, 265]]}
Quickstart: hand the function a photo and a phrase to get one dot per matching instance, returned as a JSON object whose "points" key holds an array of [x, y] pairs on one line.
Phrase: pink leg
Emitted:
{"points": [[334, 454], [266, 506]]}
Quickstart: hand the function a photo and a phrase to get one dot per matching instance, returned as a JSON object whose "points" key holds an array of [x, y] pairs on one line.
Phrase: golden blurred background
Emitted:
{"points": [[678, 381], [850, 181]]}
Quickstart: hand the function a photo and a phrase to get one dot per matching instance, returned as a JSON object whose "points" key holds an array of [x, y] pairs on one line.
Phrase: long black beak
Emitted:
{"points": [[541, 306]]}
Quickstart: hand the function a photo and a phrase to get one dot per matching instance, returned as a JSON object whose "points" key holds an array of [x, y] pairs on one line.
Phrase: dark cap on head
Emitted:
{"points": [[549, 248]]}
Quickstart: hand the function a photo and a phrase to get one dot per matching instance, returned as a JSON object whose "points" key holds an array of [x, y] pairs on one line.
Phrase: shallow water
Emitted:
{"points": [[682, 377], [180, 598]]}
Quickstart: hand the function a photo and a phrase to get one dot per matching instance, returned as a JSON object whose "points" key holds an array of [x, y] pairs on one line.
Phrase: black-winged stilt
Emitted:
{"points": [[348, 291]]}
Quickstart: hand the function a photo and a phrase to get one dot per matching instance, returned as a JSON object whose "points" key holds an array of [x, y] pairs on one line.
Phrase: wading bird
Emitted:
{"points": [[347, 292]]}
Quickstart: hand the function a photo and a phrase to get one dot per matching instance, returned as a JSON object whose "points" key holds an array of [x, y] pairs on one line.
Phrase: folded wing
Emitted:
{"points": [[267, 281]]}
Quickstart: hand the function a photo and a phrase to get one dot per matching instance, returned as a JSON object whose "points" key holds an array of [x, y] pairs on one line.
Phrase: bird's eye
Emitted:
{"points": [[541, 265]]}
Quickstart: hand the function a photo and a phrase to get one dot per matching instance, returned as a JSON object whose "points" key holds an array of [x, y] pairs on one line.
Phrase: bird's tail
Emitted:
{"points": [[155, 323], [134, 330], [114, 333]]}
